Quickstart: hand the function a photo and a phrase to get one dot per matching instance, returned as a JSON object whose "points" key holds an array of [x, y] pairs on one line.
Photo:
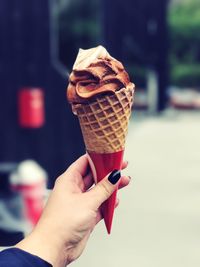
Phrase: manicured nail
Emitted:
{"points": [[129, 177], [114, 177]]}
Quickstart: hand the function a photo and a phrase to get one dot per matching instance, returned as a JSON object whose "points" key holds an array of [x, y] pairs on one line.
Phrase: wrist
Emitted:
{"points": [[46, 246]]}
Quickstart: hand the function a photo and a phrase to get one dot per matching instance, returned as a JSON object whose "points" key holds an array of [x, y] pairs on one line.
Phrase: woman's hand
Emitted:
{"points": [[70, 215]]}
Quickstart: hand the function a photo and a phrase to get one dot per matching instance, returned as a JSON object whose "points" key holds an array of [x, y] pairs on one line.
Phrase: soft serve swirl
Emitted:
{"points": [[95, 72]]}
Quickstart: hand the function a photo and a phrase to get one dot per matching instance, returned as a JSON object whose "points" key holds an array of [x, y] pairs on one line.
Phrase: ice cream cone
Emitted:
{"points": [[104, 124], [101, 95]]}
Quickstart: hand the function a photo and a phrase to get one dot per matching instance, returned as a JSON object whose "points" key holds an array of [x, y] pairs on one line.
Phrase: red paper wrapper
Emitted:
{"points": [[102, 165]]}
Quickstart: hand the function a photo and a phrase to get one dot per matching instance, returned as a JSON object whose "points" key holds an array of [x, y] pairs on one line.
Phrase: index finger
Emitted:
{"points": [[124, 164], [81, 166]]}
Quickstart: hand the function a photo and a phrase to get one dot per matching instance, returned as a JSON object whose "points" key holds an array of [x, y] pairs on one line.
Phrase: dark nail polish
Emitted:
{"points": [[129, 177], [114, 177]]}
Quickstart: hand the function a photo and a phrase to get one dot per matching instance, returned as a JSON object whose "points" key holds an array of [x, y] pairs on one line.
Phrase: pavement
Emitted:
{"points": [[158, 220]]}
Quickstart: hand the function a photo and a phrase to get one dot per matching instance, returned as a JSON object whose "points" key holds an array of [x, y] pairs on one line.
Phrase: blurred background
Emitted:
{"points": [[158, 41]]}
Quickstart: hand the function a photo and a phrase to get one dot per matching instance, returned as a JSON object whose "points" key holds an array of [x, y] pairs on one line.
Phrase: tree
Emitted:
{"points": [[184, 23]]}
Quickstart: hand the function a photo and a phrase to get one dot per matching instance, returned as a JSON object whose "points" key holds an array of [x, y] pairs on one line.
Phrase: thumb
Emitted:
{"points": [[104, 189]]}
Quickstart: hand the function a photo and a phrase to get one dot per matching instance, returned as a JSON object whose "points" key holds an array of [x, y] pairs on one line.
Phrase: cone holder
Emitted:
{"points": [[101, 165]]}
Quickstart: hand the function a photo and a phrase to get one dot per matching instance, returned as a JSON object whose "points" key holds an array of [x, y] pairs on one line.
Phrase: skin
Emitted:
{"points": [[70, 215]]}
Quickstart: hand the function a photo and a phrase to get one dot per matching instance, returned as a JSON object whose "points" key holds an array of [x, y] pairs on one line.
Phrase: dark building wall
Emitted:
{"points": [[25, 61]]}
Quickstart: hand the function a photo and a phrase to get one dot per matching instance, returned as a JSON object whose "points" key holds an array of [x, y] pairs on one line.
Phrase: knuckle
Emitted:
{"points": [[57, 181], [105, 189]]}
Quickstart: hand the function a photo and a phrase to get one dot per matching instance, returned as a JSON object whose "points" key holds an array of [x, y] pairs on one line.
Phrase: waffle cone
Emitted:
{"points": [[104, 120]]}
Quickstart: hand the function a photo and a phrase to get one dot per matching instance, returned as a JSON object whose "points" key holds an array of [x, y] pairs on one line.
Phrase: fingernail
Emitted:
{"points": [[114, 177], [129, 177]]}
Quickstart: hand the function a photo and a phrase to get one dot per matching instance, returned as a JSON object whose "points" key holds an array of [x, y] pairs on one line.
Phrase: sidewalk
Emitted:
{"points": [[158, 221]]}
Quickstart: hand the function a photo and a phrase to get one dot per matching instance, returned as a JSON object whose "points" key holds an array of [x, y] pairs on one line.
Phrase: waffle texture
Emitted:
{"points": [[104, 120]]}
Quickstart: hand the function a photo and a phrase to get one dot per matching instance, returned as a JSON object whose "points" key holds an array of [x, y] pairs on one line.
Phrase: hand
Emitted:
{"points": [[70, 215]]}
